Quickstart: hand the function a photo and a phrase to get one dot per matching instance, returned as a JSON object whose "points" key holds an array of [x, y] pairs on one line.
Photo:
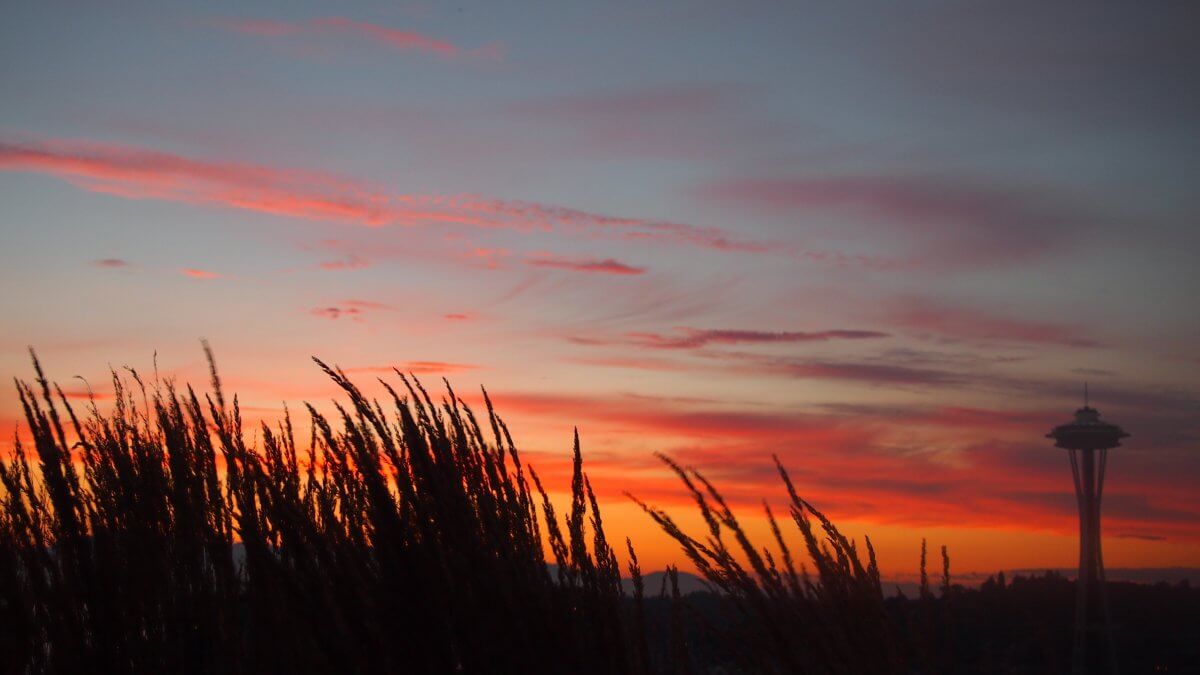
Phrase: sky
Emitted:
{"points": [[886, 243]]}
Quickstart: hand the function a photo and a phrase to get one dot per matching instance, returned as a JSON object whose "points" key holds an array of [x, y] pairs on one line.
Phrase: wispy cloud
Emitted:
{"points": [[695, 122], [594, 265], [861, 371], [84, 394], [966, 323], [199, 274], [948, 417], [111, 263], [662, 365], [693, 338], [952, 221], [491, 258], [139, 173], [872, 373], [341, 27], [352, 309], [648, 413], [389, 37]]}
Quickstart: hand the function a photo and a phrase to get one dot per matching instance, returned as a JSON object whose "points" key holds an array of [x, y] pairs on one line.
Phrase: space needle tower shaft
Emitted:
{"points": [[1088, 439]]}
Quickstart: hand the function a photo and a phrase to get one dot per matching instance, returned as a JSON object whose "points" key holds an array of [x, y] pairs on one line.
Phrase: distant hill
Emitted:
{"points": [[653, 582]]}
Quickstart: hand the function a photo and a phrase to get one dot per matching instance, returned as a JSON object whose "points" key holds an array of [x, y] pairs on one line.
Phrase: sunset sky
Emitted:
{"points": [[888, 246]]}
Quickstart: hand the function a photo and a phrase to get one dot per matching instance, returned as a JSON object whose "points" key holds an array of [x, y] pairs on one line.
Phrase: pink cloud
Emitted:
{"points": [[488, 258], [336, 26], [604, 266], [138, 173], [199, 274], [390, 37], [456, 316]]}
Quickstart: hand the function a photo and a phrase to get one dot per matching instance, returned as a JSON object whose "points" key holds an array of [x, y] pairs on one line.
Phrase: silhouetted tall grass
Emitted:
{"points": [[788, 619], [400, 541], [404, 536]]}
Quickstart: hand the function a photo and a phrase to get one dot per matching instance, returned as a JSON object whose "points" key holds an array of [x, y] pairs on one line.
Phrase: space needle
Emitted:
{"points": [[1088, 440]]}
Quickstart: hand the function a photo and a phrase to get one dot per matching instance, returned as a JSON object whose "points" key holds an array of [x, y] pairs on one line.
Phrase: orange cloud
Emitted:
{"points": [[200, 274], [856, 467], [85, 395]]}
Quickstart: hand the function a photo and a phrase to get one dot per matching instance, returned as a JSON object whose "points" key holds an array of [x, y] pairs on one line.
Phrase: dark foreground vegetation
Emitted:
{"points": [[1022, 626], [407, 536]]}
